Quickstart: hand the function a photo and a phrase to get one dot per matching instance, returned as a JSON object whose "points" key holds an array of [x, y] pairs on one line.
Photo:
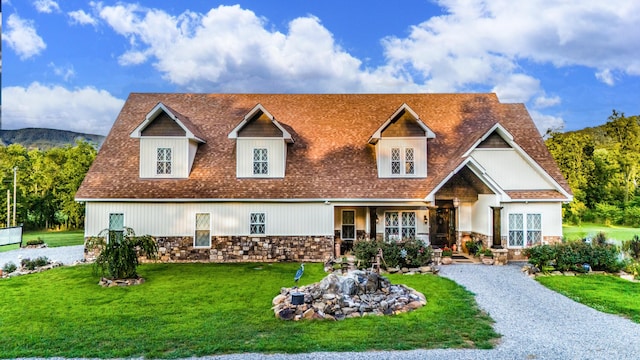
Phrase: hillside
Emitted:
{"points": [[44, 139]]}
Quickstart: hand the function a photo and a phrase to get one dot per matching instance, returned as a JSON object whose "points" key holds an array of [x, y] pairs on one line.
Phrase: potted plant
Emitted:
{"points": [[446, 255], [486, 256]]}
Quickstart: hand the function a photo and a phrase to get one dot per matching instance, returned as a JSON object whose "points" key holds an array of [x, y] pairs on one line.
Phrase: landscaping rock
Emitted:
{"points": [[356, 294]]}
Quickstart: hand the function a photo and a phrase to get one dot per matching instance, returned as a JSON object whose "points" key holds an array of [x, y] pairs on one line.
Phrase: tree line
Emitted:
{"points": [[47, 181], [602, 166]]}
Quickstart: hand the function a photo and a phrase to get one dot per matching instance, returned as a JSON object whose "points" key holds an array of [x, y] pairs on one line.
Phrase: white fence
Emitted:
{"points": [[11, 235]]}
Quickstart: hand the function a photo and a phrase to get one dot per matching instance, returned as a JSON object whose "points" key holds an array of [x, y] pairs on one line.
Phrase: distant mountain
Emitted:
{"points": [[44, 139]]}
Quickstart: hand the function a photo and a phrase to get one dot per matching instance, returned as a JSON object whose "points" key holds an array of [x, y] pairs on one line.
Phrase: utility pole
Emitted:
{"points": [[15, 172]]}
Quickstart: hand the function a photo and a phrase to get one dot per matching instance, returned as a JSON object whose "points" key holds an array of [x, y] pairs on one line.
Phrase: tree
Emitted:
{"points": [[118, 257]]}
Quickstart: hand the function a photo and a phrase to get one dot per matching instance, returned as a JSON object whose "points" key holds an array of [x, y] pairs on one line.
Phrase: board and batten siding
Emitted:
{"points": [[384, 147], [276, 156], [510, 170], [551, 216], [179, 157], [227, 219]]}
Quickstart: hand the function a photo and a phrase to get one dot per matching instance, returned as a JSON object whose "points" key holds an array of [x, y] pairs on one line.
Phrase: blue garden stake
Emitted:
{"points": [[299, 274]]}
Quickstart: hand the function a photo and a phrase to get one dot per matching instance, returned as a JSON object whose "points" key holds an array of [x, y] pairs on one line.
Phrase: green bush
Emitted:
{"points": [[9, 267], [408, 253], [118, 258], [633, 268], [632, 216], [632, 247], [572, 255], [35, 263], [33, 242]]}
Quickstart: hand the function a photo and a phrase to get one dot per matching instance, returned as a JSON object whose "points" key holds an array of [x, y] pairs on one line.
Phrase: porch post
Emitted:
{"points": [[497, 228], [372, 223]]}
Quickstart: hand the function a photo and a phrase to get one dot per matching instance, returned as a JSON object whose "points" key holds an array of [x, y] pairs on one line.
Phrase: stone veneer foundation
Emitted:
{"points": [[243, 249]]}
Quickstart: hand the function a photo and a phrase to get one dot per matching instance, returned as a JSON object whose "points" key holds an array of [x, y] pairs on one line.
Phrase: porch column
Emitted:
{"points": [[497, 228], [372, 223]]}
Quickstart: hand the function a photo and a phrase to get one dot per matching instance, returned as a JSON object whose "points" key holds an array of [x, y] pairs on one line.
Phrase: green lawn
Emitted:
{"points": [[620, 233], [185, 310], [51, 238], [604, 293]]}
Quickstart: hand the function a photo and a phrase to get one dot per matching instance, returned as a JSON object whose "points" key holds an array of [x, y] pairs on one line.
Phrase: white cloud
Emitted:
{"points": [[544, 102], [87, 109], [65, 72], [546, 122], [22, 37], [232, 49], [82, 18], [46, 6], [606, 77]]}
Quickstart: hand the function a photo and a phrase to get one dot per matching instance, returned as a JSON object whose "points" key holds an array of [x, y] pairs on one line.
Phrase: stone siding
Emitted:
{"points": [[247, 249]]}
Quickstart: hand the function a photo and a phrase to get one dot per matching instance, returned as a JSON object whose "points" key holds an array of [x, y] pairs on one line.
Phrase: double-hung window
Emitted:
{"points": [[260, 162], [348, 225], [203, 230], [399, 225], [257, 224], [116, 227], [403, 161], [525, 233], [163, 161]]}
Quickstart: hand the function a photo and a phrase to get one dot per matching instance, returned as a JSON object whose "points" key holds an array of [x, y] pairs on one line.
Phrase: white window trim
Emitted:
{"points": [[264, 214], [400, 227], [165, 174], [342, 224], [525, 230], [403, 161], [195, 232]]}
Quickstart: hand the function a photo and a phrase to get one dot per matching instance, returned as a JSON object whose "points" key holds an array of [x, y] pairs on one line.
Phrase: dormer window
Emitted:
{"points": [[168, 144], [163, 165], [261, 145], [260, 162], [401, 145]]}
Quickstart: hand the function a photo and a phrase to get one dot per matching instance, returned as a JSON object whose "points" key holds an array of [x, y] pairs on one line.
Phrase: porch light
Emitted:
{"points": [[456, 202]]}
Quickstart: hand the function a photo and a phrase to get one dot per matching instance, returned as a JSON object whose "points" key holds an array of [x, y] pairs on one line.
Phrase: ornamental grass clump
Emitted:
{"points": [[119, 252]]}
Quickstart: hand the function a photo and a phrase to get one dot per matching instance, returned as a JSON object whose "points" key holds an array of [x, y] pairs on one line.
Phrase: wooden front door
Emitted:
{"points": [[442, 227]]}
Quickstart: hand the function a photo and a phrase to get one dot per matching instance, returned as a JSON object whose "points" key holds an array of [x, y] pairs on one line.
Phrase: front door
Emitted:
{"points": [[442, 226]]}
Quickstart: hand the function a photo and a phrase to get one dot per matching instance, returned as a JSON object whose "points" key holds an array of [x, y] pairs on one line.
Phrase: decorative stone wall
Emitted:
{"points": [[247, 249], [552, 240]]}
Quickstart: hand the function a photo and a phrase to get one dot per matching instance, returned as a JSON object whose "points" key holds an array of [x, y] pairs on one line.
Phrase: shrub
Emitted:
{"points": [[632, 247], [9, 267], [397, 254], [540, 256], [570, 256], [33, 242], [119, 258], [633, 268], [472, 247], [632, 216], [35, 263]]}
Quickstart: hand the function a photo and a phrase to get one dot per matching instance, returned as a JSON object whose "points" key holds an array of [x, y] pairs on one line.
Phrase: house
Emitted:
{"points": [[272, 177]]}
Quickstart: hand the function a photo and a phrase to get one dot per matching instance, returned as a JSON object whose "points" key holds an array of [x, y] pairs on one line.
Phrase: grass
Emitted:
{"points": [[51, 238], [620, 233], [604, 293], [185, 310]]}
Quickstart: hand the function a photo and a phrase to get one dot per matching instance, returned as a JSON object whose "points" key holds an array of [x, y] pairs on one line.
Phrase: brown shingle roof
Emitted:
{"points": [[331, 157]]}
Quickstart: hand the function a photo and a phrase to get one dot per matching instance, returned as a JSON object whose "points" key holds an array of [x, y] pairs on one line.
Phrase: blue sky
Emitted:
{"points": [[71, 64]]}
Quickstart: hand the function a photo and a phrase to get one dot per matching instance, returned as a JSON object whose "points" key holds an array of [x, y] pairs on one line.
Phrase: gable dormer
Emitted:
{"points": [[261, 145], [401, 145], [168, 144]]}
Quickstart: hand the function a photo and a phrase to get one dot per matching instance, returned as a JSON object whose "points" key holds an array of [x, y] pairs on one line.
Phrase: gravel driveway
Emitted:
{"points": [[535, 323], [64, 254]]}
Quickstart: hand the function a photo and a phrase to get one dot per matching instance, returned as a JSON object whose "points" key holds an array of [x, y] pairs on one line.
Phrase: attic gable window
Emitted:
{"points": [[398, 157], [163, 162], [260, 162]]}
